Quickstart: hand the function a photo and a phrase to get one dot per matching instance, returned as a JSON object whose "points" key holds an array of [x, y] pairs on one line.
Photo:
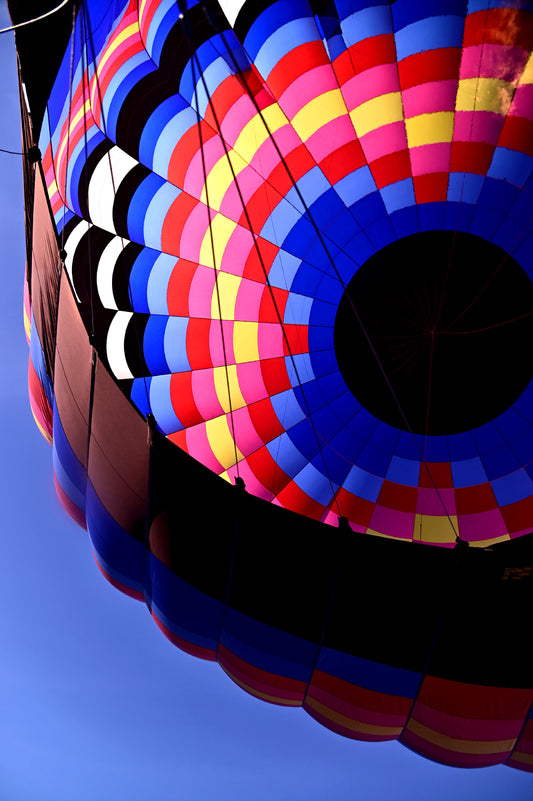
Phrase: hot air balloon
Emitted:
{"points": [[281, 312]]}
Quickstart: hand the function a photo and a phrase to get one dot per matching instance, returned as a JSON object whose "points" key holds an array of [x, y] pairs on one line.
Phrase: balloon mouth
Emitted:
{"points": [[433, 333]]}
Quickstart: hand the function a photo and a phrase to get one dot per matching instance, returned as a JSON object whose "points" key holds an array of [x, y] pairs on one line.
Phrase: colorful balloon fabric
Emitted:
{"points": [[298, 235]]}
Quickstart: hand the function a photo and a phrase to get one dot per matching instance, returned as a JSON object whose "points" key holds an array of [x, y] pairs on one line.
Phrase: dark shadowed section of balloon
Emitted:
{"points": [[449, 316]]}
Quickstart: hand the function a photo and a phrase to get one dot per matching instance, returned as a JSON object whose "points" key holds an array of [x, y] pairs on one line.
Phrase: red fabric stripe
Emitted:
{"points": [[77, 514], [431, 188], [280, 689], [295, 63], [119, 586], [209, 654], [432, 65]]}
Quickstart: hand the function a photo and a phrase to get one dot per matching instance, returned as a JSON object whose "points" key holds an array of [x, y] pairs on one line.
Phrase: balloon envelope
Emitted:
{"points": [[287, 246]]}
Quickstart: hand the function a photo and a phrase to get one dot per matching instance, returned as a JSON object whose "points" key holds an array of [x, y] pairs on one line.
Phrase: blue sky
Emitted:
{"points": [[94, 702]]}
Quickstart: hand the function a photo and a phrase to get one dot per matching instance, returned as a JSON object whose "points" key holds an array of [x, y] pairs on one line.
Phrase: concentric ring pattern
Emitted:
{"points": [[228, 182]]}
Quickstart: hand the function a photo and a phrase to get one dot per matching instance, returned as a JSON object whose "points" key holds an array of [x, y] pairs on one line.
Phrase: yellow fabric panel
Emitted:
{"points": [[484, 94], [221, 228], [319, 111], [457, 745], [377, 112], [221, 441], [353, 725], [430, 129], [222, 376], [65, 140], [245, 345], [45, 434], [527, 75], [435, 528], [525, 759], [257, 131], [377, 533], [220, 178], [224, 296], [488, 543], [131, 30], [273, 699]]}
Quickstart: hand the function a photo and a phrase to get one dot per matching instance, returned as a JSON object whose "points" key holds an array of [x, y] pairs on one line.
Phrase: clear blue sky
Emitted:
{"points": [[95, 704]]}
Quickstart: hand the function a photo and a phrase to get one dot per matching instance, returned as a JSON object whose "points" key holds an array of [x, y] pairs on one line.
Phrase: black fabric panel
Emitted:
{"points": [[94, 158], [192, 518], [483, 639], [148, 94], [248, 15], [121, 275], [41, 47], [123, 196], [284, 568], [389, 600]]}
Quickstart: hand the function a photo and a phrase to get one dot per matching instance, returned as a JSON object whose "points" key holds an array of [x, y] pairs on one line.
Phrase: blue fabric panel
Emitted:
{"points": [[69, 471], [138, 207], [267, 648], [405, 12], [356, 185], [436, 449], [121, 556], [513, 487], [179, 117], [510, 165], [153, 345], [468, 472], [405, 221], [138, 281], [499, 463], [431, 216], [371, 675], [464, 187], [283, 270], [366, 23], [430, 33], [120, 86], [37, 360], [314, 481], [285, 453], [140, 394], [161, 404], [462, 446], [175, 344], [287, 408], [186, 611], [363, 484], [304, 439], [522, 447], [343, 228], [384, 437], [162, 21], [334, 466], [403, 471], [398, 195], [374, 461], [325, 366]]}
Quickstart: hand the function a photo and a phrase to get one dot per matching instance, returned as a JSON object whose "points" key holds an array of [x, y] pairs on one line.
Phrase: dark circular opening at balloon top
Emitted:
{"points": [[449, 316]]}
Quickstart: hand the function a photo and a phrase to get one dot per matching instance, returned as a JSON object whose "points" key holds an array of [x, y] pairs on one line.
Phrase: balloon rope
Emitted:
{"points": [[35, 19], [121, 260], [339, 277], [12, 152], [267, 281], [67, 158], [194, 65]]}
